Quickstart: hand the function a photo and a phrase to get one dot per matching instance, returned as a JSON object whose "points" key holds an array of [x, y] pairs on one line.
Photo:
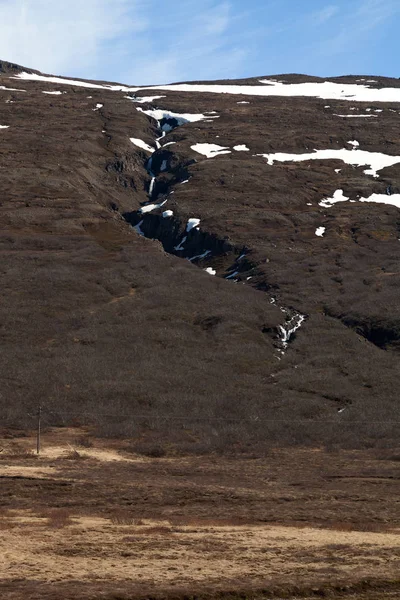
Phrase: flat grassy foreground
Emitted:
{"points": [[89, 519]]}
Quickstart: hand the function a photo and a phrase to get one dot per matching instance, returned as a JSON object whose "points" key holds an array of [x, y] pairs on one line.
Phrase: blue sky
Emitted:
{"points": [[159, 41]]}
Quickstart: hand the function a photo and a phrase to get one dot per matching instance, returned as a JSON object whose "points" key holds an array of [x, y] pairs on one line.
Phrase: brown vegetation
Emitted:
{"points": [[123, 525]]}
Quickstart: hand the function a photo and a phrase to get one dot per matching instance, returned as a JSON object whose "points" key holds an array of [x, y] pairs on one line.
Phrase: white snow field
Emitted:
{"points": [[376, 160]]}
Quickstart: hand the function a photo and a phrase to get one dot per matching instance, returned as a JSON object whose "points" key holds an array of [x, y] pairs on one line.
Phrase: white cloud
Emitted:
{"points": [[131, 41], [64, 37]]}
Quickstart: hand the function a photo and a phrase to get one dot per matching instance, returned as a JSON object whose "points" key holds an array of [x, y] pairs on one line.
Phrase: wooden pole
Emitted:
{"points": [[38, 430]]}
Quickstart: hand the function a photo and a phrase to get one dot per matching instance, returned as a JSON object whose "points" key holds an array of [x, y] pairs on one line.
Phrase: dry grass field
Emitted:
{"points": [[89, 519]]}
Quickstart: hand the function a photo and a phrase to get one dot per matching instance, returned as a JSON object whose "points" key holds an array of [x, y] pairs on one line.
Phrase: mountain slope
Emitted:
{"points": [[295, 338]]}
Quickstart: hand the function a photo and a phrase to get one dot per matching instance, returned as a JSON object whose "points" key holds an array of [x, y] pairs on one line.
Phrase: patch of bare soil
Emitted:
{"points": [[119, 525]]}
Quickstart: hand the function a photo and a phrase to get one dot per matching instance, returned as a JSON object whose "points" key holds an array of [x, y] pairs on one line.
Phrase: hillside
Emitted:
{"points": [[214, 263]]}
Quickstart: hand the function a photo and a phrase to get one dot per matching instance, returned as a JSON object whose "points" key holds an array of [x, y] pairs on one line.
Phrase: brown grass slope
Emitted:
{"points": [[101, 325]]}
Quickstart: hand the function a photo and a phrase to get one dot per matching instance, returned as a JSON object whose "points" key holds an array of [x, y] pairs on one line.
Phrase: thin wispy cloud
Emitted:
{"points": [[55, 35], [325, 14]]}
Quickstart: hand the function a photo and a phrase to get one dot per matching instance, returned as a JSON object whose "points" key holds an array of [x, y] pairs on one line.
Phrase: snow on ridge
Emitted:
{"points": [[85, 84], [210, 150], [327, 90], [376, 160], [141, 144]]}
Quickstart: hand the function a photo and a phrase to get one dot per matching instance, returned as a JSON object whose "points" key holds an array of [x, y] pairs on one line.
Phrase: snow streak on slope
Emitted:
{"points": [[60, 80], [144, 99], [2, 87], [141, 144], [376, 160]]}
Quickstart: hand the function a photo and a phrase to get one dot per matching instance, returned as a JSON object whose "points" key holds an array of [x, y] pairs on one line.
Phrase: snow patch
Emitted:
{"points": [[241, 148], [354, 143], [210, 150], [167, 213], [210, 271], [320, 231], [98, 106], [4, 126], [354, 116], [141, 144], [60, 80], [150, 207], [7, 89], [191, 224], [376, 160], [181, 118], [143, 99], [54, 93], [338, 196]]}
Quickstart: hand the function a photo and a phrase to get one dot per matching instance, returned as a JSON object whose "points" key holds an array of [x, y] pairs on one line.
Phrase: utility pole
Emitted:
{"points": [[39, 423]]}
